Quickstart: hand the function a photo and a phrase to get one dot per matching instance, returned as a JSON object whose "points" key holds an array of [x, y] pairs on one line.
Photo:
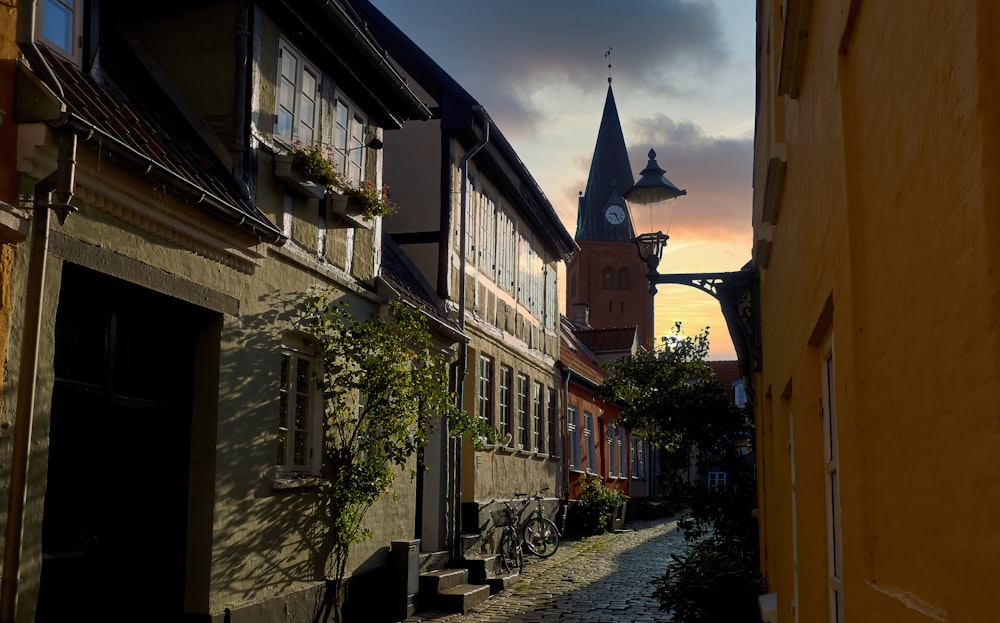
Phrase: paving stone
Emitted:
{"points": [[600, 579]]}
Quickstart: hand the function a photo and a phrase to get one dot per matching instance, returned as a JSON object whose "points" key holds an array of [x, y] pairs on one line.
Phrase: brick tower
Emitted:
{"points": [[606, 277]]}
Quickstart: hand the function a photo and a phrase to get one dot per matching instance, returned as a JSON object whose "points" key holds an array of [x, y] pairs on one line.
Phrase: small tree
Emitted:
{"points": [[382, 384], [673, 400]]}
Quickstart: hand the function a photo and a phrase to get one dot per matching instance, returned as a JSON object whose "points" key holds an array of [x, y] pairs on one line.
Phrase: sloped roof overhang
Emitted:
{"points": [[359, 64]]}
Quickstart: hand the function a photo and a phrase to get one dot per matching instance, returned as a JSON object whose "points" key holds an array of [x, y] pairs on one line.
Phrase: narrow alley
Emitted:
{"points": [[600, 579]]}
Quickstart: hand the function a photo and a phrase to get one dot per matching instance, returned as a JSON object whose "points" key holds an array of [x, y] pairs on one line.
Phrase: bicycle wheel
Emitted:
{"points": [[541, 537], [511, 556]]}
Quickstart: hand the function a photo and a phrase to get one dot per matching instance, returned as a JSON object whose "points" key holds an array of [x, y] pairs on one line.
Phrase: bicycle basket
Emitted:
{"points": [[499, 517]]}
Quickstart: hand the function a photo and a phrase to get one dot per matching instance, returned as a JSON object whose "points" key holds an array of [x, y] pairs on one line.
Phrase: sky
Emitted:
{"points": [[683, 76]]}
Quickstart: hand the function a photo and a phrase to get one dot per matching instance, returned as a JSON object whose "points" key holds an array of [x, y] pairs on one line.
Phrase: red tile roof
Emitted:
{"points": [[617, 339], [129, 123]]}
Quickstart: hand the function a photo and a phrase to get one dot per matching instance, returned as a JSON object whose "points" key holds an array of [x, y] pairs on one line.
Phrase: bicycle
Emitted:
{"points": [[541, 535], [511, 554]]}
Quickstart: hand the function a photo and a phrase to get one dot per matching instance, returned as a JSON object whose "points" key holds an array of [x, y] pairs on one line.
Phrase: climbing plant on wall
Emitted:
{"points": [[383, 384]]}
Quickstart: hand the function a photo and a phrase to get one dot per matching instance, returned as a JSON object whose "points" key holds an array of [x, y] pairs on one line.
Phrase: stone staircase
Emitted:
{"points": [[450, 589]]}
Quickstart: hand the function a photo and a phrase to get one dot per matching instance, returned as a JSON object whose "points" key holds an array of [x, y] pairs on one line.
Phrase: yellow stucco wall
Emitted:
{"points": [[885, 243], [8, 176]]}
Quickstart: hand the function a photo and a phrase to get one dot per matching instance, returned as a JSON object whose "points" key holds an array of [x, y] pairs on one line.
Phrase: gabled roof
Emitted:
{"points": [[131, 122], [610, 178], [575, 356], [458, 110]]}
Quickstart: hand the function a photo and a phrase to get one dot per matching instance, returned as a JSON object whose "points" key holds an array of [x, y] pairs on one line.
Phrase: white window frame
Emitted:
{"points": [[522, 412], [621, 453], [831, 455], [506, 232], [294, 354], [44, 17], [588, 436], [717, 479], [350, 154], [551, 297], [573, 428], [299, 98], [536, 417], [611, 451], [488, 246], [485, 405], [505, 399]]}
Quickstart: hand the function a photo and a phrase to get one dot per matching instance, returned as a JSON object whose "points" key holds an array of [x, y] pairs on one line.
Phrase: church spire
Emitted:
{"points": [[610, 178]]}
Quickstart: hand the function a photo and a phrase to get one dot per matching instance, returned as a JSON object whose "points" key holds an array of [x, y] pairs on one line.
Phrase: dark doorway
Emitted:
{"points": [[114, 529]]}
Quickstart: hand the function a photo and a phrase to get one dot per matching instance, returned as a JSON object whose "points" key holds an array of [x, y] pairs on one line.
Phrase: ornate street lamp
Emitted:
{"points": [[650, 247], [735, 291], [653, 186]]}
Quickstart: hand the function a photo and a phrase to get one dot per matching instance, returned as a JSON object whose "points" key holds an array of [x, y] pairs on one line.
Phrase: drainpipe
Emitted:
{"points": [[240, 100], [61, 182], [567, 451], [463, 356]]}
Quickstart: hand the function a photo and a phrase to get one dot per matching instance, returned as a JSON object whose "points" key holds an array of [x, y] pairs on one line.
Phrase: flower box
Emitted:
{"points": [[295, 179], [345, 211]]}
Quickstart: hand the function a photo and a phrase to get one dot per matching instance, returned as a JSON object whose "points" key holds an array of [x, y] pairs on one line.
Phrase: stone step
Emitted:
{"points": [[482, 567], [471, 544], [486, 569], [462, 598], [440, 580], [429, 561], [499, 583]]}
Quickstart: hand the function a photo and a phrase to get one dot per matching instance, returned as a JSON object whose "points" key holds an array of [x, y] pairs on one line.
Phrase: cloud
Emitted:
{"points": [[716, 172], [515, 48]]}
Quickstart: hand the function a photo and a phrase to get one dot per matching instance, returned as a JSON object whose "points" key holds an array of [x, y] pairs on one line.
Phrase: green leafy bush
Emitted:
{"points": [[595, 511], [708, 584]]}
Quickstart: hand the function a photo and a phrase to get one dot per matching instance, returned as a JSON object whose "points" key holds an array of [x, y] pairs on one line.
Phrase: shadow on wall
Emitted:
{"points": [[266, 540]]}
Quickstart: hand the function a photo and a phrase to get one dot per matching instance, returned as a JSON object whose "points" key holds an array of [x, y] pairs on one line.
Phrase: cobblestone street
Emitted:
{"points": [[603, 579]]}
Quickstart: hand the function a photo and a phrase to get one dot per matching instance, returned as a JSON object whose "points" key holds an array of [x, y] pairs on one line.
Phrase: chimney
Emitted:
{"points": [[581, 315]]}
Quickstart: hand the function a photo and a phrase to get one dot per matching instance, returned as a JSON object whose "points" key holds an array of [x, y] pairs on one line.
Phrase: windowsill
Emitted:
{"points": [[506, 449], [284, 482]]}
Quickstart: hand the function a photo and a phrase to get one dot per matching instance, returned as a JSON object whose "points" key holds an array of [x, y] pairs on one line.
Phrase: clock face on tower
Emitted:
{"points": [[615, 214]]}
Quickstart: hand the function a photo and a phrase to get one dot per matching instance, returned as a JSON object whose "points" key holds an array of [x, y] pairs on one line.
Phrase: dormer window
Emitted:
{"points": [[59, 24]]}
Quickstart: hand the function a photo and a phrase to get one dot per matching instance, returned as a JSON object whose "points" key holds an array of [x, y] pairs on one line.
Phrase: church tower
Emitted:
{"points": [[606, 277]]}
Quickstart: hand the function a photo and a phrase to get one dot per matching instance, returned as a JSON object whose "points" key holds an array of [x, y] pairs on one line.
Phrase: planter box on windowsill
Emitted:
{"points": [[283, 170], [346, 212]]}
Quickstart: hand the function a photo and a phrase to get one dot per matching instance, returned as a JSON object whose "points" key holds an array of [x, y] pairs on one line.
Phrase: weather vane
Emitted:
{"points": [[607, 55]]}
